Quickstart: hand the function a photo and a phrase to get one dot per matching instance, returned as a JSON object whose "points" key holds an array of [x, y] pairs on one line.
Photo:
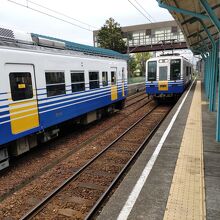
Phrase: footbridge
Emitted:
{"points": [[157, 36]]}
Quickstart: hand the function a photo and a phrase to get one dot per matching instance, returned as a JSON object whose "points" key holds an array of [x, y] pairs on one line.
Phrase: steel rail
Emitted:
{"points": [[99, 203], [138, 101], [130, 97], [35, 210]]}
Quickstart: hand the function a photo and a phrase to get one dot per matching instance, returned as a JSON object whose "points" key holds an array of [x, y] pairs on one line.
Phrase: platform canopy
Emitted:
{"points": [[199, 21], [196, 21]]}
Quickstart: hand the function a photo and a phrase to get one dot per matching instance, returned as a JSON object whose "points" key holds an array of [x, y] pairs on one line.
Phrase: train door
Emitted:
{"points": [[123, 81], [114, 87], [163, 75], [23, 105]]}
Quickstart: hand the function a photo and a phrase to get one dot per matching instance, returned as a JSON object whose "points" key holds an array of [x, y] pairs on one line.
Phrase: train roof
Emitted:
{"points": [[169, 56], [21, 39]]}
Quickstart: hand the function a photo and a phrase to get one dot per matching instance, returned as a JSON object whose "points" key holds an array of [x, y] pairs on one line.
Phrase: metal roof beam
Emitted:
{"points": [[210, 37], [182, 11], [208, 33], [192, 19], [191, 35], [211, 14], [206, 37]]}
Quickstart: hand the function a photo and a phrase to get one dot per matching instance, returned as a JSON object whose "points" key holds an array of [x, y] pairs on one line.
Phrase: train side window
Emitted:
{"points": [[93, 80], [55, 83], [21, 86], [175, 69], [123, 74], [113, 78], [187, 70], [104, 78], [152, 70], [77, 81]]}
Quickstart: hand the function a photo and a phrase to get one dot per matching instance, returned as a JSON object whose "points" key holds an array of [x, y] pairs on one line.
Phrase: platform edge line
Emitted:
{"points": [[126, 209]]}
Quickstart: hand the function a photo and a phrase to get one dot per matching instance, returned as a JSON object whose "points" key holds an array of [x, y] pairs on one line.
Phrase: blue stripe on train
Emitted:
{"points": [[56, 116], [68, 97], [59, 103], [81, 93], [173, 87], [72, 101], [6, 112]]}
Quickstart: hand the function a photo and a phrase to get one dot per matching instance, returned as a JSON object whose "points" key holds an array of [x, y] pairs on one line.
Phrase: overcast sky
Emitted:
{"points": [[93, 12]]}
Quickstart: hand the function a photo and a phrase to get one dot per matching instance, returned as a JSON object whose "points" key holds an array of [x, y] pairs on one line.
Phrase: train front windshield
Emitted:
{"points": [[175, 69], [152, 70]]}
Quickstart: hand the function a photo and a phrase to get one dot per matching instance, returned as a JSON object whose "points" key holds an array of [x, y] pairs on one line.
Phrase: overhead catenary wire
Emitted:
{"points": [[140, 11], [59, 13], [144, 10], [49, 15]]}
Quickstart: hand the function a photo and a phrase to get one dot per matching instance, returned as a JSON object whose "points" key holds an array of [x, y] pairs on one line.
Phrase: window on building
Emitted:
{"points": [[148, 32], [77, 81], [113, 78], [93, 80], [174, 29], [21, 86], [55, 83], [129, 35], [152, 70], [104, 78], [175, 69]]}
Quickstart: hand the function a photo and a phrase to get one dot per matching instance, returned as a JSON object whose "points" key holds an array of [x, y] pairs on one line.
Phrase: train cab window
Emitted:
{"points": [[152, 70], [104, 78], [113, 78], [21, 86], [175, 69], [77, 81], [163, 73], [93, 80], [55, 83]]}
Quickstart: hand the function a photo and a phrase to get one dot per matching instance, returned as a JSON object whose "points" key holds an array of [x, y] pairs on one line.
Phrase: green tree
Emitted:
{"points": [[141, 59], [111, 37], [132, 65]]}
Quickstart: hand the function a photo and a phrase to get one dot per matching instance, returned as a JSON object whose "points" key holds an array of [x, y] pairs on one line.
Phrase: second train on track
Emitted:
{"points": [[168, 75]]}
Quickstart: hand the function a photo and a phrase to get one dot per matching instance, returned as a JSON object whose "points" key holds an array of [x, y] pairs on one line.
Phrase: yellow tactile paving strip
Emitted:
{"points": [[187, 193]]}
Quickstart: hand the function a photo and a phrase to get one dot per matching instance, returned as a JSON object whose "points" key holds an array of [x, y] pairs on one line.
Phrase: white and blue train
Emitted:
{"points": [[167, 75], [43, 84]]}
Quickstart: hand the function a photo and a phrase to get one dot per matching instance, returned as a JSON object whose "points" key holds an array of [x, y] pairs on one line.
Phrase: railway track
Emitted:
{"points": [[143, 101], [20, 186], [81, 195], [135, 95], [141, 96]]}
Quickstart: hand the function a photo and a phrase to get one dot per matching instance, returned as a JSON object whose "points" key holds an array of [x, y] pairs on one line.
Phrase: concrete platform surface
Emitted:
{"points": [[152, 200]]}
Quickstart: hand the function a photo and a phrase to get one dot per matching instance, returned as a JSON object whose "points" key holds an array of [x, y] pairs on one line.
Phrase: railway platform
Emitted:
{"points": [[177, 176]]}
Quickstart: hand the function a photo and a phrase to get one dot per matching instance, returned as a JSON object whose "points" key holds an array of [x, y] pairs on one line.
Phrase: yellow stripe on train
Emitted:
{"points": [[114, 92], [23, 121]]}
